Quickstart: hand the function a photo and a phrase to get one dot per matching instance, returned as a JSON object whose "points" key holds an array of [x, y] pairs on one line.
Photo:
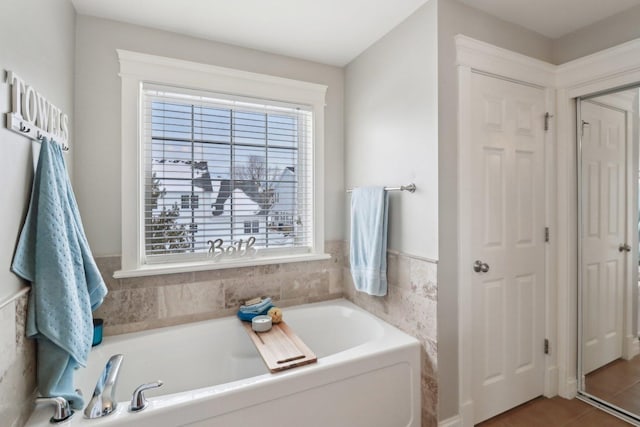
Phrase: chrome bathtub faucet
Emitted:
{"points": [[104, 400]]}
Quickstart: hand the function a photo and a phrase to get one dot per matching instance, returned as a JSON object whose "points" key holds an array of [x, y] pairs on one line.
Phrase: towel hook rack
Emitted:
{"points": [[39, 136], [24, 129], [411, 188]]}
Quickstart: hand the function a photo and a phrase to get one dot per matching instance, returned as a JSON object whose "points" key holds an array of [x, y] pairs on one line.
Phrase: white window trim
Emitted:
{"points": [[136, 68]]}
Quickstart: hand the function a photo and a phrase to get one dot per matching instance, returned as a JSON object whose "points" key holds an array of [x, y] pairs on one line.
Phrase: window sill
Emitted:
{"points": [[158, 269]]}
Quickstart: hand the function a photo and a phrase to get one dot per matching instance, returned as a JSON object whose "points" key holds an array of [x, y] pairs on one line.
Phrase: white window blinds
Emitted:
{"points": [[224, 176]]}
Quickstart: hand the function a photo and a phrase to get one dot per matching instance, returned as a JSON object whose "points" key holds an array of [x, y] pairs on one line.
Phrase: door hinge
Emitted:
{"points": [[547, 116], [546, 234], [546, 346]]}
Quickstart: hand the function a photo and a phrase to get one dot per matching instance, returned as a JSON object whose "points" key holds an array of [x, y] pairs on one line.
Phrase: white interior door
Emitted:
{"points": [[508, 200], [603, 231]]}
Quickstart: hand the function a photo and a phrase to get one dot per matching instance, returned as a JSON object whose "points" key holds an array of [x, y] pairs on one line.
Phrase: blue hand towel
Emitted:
{"points": [[368, 253], [248, 312], [256, 308], [53, 254], [248, 317]]}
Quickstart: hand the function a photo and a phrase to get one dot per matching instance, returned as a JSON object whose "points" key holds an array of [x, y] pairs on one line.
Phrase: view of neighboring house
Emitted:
{"points": [[219, 208], [281, 213]]}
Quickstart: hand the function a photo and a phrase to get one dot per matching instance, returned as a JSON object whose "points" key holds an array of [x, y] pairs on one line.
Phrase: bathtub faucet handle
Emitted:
{"points": [[62, 410], [138, 401]]}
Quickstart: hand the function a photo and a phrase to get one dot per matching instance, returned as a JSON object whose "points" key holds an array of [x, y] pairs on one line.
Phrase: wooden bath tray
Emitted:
{"points": [[280, 347]]}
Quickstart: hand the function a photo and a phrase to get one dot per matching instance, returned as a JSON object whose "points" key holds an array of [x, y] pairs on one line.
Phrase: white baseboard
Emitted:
{"points": [[635, 347], [570, 389], [454, 421], [466, 414], [551, 382], [631, 348]]}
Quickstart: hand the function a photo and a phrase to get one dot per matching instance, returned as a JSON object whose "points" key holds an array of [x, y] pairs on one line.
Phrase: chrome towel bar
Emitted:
{"points": [[411, 188]]}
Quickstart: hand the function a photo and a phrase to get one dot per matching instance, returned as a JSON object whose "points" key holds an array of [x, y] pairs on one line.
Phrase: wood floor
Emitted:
{"points": [[618, 383], [554, 412]]}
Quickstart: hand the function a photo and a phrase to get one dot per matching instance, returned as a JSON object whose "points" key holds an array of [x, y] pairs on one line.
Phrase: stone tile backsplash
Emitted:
{"points": [[410, 305], [135, 304], [17, 364]]}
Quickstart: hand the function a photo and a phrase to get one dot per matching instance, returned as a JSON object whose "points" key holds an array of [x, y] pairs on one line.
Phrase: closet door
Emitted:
{"points": [[507, 179], [603, 146]]}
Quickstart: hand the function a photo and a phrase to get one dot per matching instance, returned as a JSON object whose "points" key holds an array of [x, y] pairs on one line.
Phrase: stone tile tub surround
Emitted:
{"points": [[410, 305], [140, 303], [17, 364]]}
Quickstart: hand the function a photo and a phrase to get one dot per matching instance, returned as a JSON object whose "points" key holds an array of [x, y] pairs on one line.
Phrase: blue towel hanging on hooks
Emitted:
{"points": [[54, 255]]}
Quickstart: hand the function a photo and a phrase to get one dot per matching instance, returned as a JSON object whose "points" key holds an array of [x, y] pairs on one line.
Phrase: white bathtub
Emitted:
{"points": [[368, 374]]}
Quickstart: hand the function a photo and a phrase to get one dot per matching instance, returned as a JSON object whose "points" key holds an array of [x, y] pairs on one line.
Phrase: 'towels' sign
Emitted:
{"points": [[30, 109]]}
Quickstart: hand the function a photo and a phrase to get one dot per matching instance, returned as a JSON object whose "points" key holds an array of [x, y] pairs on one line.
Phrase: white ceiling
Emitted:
{"points": [[328, 31], [552, 18]]}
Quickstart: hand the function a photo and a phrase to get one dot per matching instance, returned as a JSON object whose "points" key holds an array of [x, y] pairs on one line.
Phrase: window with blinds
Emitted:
{"points": [[224, 176]]}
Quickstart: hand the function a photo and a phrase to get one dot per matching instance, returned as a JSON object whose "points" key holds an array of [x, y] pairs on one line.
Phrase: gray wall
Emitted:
{"points": [[456, 18], [42, 54], [97, 159], [37, 43], [391, 131], [604, 34], [391, 138]]}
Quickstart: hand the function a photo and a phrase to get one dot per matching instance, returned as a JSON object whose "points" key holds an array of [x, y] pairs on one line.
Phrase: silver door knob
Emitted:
{"points": [[480, 267], [624, 247]]}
